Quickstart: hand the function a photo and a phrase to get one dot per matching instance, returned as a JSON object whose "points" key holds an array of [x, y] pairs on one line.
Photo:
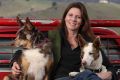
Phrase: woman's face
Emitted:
{"points": [[73, 19]]}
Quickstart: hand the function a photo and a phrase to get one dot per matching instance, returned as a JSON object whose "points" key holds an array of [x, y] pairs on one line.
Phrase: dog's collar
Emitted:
{"points": [[96, 70]]}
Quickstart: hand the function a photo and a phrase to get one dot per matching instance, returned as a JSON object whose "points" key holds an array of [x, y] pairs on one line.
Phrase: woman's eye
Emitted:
{"points": [[70, 15], [79, 17]]}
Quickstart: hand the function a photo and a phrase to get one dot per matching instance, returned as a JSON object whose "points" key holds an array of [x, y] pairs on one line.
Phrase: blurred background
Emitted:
{"points": [[47, 9]]}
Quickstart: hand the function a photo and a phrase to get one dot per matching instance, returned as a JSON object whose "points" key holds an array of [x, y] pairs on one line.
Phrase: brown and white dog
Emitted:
{"points": [[36, 59], [91, 57]]}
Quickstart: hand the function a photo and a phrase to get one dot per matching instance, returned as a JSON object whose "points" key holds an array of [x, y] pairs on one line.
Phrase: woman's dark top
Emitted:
{"points": [[70, 58]]}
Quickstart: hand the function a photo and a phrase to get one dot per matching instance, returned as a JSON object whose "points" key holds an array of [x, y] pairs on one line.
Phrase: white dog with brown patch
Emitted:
{"points": [[91, 57]]}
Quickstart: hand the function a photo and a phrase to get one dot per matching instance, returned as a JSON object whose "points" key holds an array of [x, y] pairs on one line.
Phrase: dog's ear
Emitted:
{"points": [[29, 24], [97, 42], [20, 23], [81, 40]]}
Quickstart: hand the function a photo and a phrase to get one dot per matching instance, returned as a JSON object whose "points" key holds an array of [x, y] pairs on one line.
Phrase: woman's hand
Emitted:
{"points": [[16, 69], [105, 75]]}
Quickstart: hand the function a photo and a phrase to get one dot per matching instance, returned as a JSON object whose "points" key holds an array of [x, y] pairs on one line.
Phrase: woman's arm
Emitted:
{"points": [[15, 67], [105, 75]]}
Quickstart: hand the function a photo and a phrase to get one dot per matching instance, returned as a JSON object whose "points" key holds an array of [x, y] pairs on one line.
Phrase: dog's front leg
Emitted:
{"points": [[24, 68], [48, 68], [29, 77], [72, 74]]}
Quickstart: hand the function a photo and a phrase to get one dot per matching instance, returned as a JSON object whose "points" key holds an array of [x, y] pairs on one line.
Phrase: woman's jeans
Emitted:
{"points": [[64, 78], [86, 75]]}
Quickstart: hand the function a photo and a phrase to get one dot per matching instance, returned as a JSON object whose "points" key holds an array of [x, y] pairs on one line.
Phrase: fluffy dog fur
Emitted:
{"points": [[36, 58], [91, 56]]}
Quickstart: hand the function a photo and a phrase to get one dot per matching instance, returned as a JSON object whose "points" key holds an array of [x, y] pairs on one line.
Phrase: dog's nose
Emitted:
{"points": [[84, 62]]}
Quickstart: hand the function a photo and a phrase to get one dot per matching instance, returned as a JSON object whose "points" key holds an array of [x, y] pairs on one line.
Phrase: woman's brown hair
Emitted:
{"points": [[85, 27]]}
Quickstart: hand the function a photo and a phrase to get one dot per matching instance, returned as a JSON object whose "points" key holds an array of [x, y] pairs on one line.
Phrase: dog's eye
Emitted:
{"points": [[91, 53]]}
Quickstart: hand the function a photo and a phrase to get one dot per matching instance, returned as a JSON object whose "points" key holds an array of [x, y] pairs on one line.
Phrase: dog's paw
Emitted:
{"points": [[72, 74], [104, 69], [81, 70]]}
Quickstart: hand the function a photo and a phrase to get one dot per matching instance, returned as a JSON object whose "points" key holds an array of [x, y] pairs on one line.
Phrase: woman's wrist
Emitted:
{"points": [[105, 75]]}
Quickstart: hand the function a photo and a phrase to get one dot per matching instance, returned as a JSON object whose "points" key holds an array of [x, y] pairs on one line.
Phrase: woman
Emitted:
{"points": [[65, 43]]}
